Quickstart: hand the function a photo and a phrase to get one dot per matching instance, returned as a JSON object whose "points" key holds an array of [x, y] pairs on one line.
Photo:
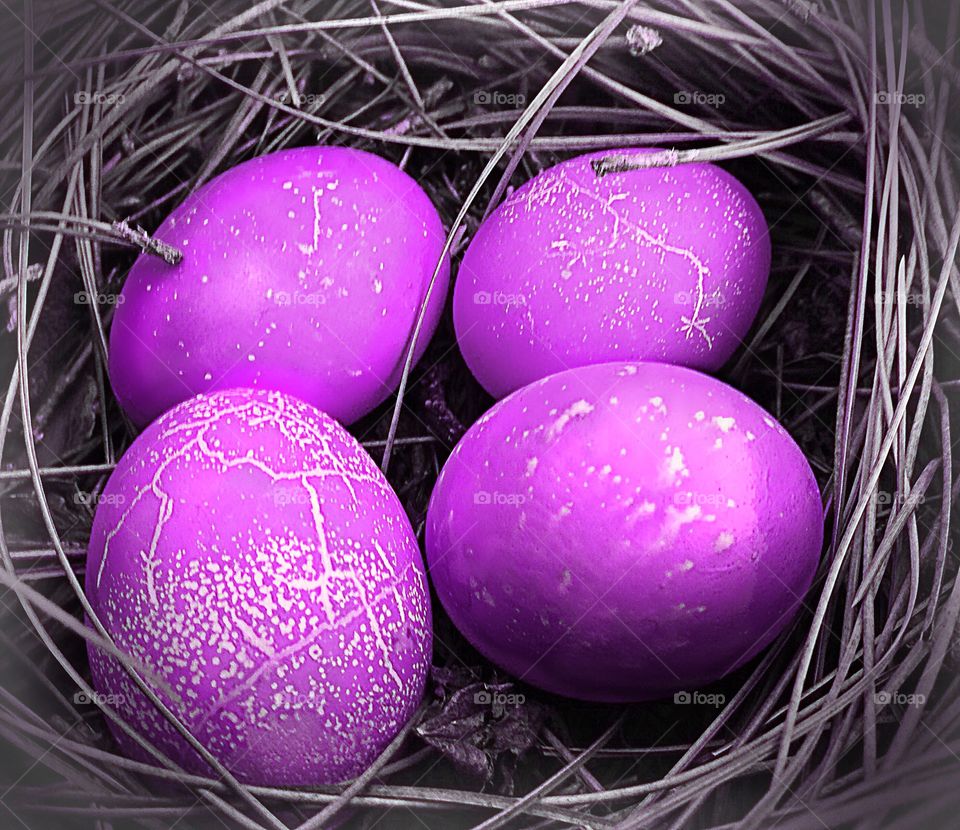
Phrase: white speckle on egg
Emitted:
{"points": [[724, 424], [724, 541], [579, 409]]}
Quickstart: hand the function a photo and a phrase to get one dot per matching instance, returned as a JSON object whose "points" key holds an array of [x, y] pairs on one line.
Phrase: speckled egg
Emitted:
{"points": [[249, 552], [624, 531], [303, 270], [664, 264]]}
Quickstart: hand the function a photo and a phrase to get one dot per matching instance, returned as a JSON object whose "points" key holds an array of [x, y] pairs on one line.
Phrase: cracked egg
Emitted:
{"points": [[666, 264], [251, 555], [624, 531]]}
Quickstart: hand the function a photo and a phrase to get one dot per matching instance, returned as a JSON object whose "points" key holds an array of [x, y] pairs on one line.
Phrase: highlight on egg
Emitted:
{"points": [[303, 270], [624, 531], [250, 554], [664, 264]]}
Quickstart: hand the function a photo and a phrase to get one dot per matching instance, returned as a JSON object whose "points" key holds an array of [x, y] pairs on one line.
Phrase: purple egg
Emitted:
{"points": [[661, 264], [624, 531], [249, 552], [303, 271]]}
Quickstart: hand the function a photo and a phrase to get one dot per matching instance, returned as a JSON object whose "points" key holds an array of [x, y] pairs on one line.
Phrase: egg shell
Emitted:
{"points": [[303, 270], [623, 531], [251, 555], [664, 264]]}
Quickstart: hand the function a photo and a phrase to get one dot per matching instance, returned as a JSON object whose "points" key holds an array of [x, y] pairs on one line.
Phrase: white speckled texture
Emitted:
{"points": [[662, 264], [623, 531], [302, 270], [250, 553]]}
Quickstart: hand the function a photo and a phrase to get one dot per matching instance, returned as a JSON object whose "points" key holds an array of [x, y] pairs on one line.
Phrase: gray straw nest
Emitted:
{"points": [[837, 117]]}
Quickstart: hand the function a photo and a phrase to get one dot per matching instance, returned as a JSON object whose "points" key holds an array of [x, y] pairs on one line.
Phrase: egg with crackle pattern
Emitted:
{"points": [[665, 264], [249, 553], [303, 270], [624, 531]]}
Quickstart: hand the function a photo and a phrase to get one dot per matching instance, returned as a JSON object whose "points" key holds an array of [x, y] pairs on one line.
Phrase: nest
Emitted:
{"points": [[836, 116]]}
